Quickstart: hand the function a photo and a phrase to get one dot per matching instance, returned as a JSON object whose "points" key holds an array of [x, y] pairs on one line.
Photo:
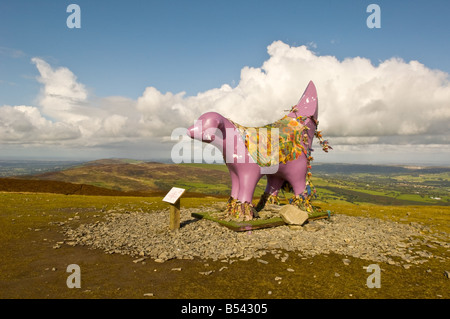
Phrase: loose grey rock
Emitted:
{"points": [[293, 215], [346, 261], [272, 208], [312, 227], [147, 235], [138, 260]]}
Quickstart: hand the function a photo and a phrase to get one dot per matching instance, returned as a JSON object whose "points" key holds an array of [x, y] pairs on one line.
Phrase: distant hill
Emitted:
{"points": [[325, 168], [378, 184], [56, 187], [138, 176], [10, 168], [112, 161]]}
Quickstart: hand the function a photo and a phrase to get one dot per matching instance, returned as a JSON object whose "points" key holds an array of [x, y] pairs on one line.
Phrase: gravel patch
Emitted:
{"points": [[147, 235]]}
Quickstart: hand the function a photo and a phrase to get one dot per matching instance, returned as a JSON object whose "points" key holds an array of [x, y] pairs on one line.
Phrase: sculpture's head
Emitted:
{"points": [[206, 127]]}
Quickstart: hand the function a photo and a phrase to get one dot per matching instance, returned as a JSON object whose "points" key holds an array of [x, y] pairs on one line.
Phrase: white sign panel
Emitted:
{"points": [[173, 195]]}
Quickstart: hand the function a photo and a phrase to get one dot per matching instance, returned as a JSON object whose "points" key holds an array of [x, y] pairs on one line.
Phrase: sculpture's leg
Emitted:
{"points": [[273, 184], [248, 179], [298, 185], [295, 173], [231, 203], [231, 206], [234, 183], [300, 199], [271, 192], [247, 184]]}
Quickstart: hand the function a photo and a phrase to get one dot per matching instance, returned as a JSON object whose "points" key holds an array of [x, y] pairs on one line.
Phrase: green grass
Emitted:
{"points": [[213, 179], [28, 231], [37, 210], [437, 217]]}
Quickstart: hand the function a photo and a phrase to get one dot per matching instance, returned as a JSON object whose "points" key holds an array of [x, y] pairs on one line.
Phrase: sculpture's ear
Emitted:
{"points": [[308, 104]]}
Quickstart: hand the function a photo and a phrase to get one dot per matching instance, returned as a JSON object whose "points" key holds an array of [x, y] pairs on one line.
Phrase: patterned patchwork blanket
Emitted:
{"points": [[280, 142]]}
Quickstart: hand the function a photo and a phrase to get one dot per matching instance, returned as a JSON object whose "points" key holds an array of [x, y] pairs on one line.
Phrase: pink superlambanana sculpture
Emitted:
{"points": [[247, 157]]}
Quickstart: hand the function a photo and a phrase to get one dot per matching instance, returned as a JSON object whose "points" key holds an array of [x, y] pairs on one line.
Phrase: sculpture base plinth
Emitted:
{"points": [[273, 220]]}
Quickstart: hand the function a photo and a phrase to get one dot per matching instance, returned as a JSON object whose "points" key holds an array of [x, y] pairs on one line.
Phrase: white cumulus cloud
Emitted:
{"points": [[358, 101], [392, 103], [61, 93], [25, 124]]}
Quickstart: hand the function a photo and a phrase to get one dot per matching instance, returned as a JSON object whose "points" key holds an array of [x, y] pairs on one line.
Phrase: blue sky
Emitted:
{"points": [[124, 47]]}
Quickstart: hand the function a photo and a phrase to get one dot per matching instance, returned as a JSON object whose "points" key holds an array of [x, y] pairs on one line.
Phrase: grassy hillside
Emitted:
{"points": [[34, 260], [35, 255], [335, 183], [384, 185], [57, 187], [122, 175]]}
